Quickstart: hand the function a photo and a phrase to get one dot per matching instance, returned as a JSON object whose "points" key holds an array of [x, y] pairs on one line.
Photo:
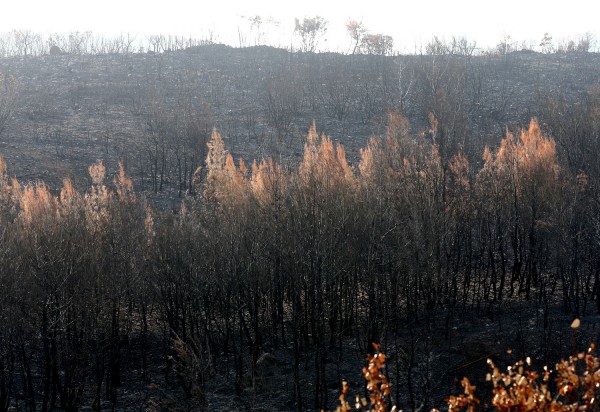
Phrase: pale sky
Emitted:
{"points": [[409, 22]]}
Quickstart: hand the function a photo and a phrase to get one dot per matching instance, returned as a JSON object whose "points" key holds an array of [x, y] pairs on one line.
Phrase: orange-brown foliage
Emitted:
{"points": [[577, 380], [322, 164]]}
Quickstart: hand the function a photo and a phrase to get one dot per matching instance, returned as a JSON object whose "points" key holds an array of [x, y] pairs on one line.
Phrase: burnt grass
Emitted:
{"points": [[76, 109]]}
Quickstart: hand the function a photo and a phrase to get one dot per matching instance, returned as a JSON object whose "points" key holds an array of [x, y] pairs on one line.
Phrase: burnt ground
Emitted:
{"points": [[440, 354]]}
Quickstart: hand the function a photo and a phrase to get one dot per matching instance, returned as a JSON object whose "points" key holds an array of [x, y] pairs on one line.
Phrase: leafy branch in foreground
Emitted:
{"points": [[574, 385], [377, 384]]}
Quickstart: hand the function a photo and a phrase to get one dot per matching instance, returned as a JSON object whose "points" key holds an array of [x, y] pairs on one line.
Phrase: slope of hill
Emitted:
{"points": [[155, 112]]}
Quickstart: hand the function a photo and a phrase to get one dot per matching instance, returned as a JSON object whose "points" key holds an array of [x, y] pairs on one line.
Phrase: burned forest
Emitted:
{"points": [[203, 227]]}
